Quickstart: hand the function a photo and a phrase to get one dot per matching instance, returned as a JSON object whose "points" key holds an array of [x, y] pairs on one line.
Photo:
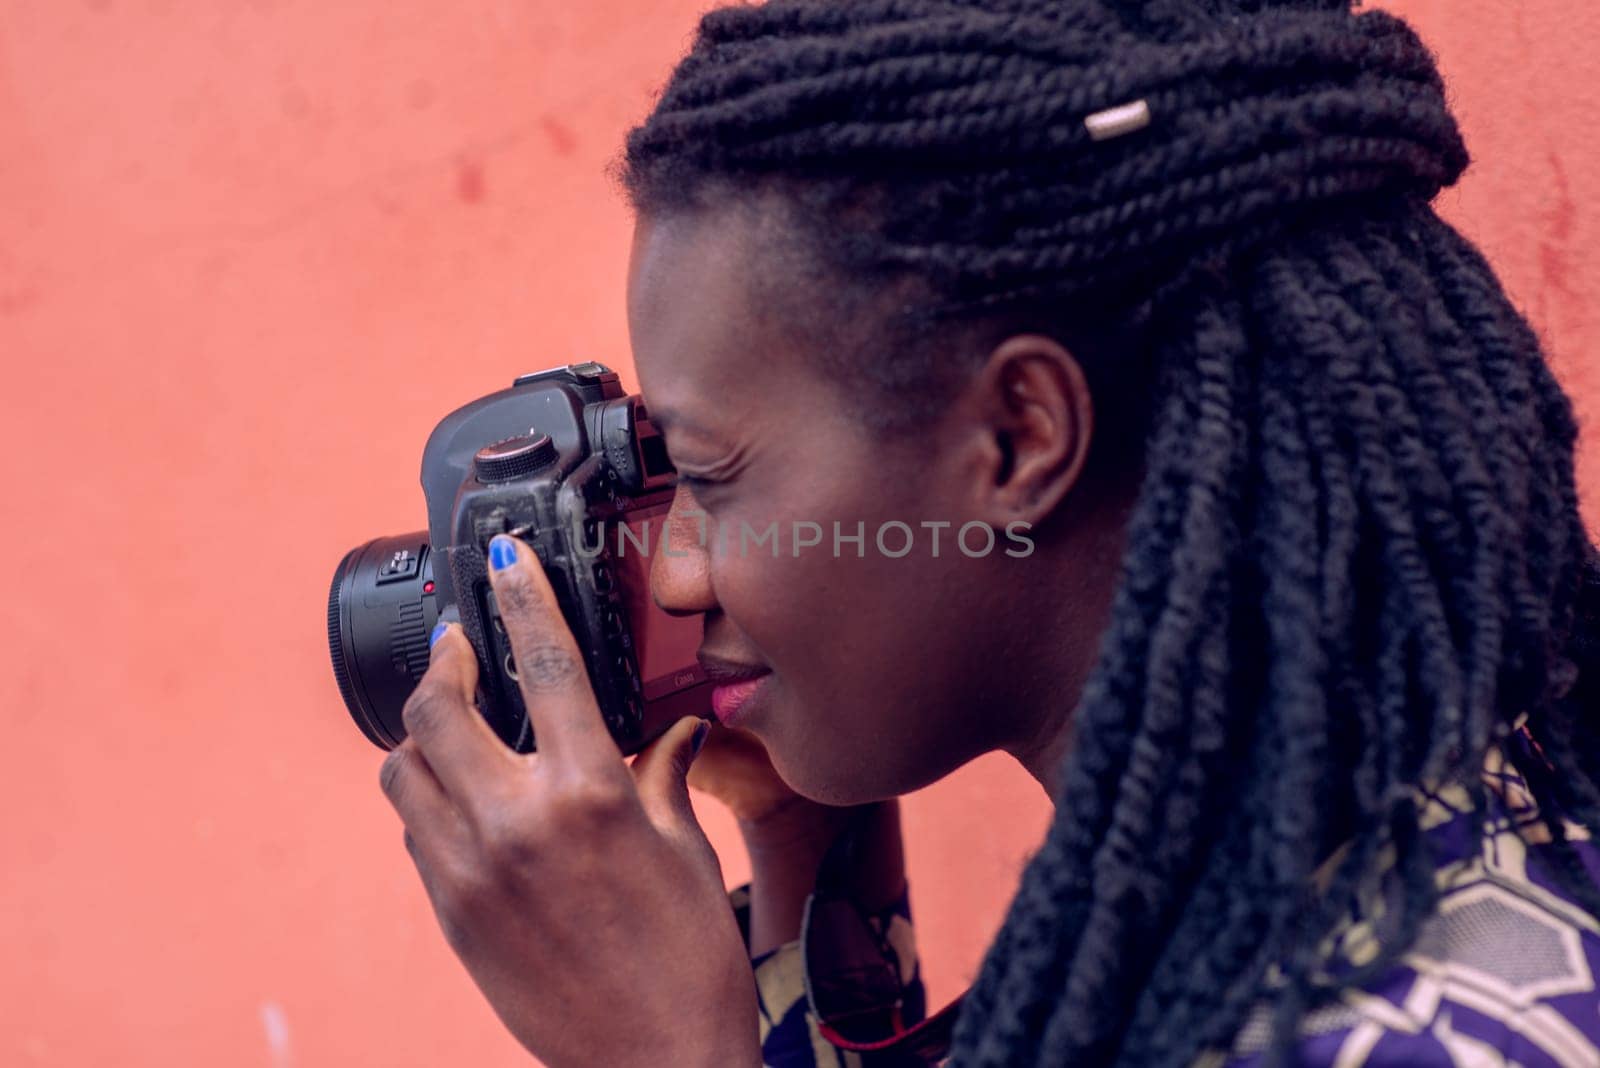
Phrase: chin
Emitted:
{"points": [[843, 795], [846, 781]]}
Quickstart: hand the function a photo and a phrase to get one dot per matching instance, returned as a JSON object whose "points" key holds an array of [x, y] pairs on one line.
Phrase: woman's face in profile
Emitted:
{"points": [[884, 672]]}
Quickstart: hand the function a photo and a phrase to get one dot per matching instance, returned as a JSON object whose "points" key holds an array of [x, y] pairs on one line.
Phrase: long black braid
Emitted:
{"points": [[1357, 557]]}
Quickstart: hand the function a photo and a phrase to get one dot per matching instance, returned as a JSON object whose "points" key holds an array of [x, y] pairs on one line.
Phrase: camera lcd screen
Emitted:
{"points": [[665, 645]]}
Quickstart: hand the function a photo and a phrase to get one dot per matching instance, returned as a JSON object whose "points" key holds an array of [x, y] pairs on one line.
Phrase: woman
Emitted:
{"points": [[1302, 646]]}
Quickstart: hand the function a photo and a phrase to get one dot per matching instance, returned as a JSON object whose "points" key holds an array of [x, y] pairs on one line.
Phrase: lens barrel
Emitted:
{"points": [[381, 609]]}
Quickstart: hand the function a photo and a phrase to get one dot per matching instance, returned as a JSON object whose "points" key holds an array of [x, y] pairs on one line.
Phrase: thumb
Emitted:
{"points": [[661, 772]]}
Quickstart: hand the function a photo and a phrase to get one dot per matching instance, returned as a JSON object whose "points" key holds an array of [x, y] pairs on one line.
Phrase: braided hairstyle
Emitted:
{"points": [[1356, 560]]}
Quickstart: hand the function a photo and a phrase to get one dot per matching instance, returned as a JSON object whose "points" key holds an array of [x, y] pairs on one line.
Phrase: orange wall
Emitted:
{"points": [[241, 244]]}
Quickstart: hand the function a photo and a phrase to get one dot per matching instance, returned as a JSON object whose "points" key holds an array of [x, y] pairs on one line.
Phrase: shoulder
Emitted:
{"points": [[1502, 974]]}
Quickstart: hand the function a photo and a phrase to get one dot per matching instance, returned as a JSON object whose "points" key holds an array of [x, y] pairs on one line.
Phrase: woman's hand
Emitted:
{"points": [[733, 767], [787, 836], [584, 900]]}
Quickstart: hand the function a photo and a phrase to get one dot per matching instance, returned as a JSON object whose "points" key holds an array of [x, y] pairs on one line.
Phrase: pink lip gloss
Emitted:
{"points": [[729, 703]]}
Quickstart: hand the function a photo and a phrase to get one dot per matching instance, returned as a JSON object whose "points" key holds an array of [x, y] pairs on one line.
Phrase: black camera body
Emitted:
{"points": [[572, 465]]}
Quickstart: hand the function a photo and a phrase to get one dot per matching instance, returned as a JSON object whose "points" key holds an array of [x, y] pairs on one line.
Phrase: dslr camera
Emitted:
{"points": [[571, 464]]}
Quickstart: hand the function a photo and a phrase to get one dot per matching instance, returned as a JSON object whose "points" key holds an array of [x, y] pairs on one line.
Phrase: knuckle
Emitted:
{"points": [[457, 894], [451, 906], [467, 889], [457, 933], [588, 802], [548, 667], [508, 843], [517, 596], [391, 773], [424, 710]]}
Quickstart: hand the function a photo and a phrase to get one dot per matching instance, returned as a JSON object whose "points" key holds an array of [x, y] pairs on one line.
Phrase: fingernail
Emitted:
{"points": [[502, 552], [438, 632], [700, 733]]}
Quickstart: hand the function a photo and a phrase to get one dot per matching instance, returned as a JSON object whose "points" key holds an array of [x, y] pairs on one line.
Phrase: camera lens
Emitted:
{"points": [[381, 608]]}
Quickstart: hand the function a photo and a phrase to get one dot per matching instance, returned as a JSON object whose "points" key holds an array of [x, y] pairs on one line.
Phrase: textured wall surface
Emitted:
{"points": [[249, 253]]}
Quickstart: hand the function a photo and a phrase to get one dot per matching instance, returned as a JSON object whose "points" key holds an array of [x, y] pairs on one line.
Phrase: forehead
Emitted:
{"points": [[707, 343], [687, 274]]}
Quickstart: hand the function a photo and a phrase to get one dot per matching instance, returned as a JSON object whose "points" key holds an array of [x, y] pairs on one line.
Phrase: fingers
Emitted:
{"points": [[442, 721], [433, 825], [661, 772], [436, 834], [550, 671]]}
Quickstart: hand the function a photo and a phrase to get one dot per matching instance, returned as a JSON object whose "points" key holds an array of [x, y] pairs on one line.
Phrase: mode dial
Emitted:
{"points": [[513, 458]]}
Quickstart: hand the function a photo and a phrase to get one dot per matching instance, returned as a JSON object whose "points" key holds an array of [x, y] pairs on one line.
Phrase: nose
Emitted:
{"points": [[680, 571]]}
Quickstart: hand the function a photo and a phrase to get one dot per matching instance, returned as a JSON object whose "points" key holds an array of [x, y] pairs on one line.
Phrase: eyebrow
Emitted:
{"points": [[665, 418], [661, 417], [685, 430]]}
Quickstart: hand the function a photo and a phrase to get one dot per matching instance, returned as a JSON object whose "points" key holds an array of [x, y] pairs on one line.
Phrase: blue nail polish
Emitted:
{"points": [[502, 552], [700, 733], [438, 632]]}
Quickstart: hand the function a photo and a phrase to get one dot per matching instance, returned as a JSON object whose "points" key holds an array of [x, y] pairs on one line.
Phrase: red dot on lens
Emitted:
{"points": [[427, 587]]}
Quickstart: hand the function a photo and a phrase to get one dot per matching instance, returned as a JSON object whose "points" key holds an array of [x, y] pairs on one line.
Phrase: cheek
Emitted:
{"points": [[831, 617], [784, 606], [867, 700], [871, 689]]}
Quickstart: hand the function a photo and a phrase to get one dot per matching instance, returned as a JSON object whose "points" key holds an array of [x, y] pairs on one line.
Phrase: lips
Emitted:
{"points": [[730, 702], [736, 685]]}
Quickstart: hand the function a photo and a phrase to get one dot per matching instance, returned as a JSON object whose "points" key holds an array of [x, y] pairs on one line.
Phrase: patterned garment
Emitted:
{"points": [[1503, 975], [790, 1037]]}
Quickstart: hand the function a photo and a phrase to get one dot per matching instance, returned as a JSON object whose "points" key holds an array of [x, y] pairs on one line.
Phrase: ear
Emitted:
{"points": [[1037, 419]]}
